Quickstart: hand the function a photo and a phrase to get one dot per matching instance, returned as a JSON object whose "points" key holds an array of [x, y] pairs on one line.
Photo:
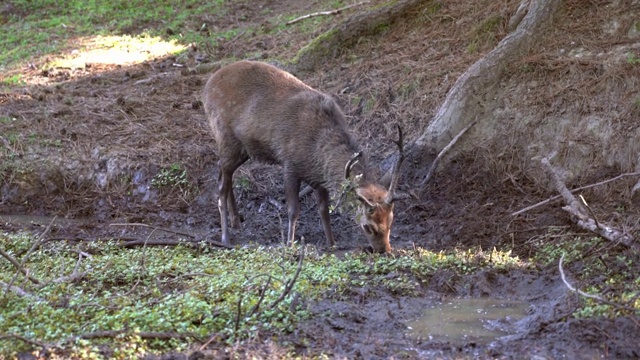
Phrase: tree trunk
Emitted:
{"points": [[466, 99]]}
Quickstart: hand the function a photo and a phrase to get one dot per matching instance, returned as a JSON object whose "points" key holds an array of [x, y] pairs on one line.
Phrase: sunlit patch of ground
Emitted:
{"points": [[116, 50], [102, 51]]}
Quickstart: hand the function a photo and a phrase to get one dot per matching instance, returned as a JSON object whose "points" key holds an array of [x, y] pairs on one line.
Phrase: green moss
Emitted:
{"points": [[485, 34]]}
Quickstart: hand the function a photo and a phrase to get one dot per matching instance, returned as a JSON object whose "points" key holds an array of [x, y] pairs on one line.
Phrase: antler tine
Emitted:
{"points": [[395, 175], [354, 159]]}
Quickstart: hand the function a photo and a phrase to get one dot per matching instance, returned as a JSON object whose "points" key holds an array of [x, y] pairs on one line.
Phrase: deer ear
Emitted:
{"points": [[363, 199]]}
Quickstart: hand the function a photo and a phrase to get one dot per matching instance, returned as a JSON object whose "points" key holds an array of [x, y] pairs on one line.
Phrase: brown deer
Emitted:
{"points": [[261, 112]]}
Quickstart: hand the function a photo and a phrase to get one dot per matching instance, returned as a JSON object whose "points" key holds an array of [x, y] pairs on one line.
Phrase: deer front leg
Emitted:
{"points": [[224, 187], [291, 190], [322, 195]]}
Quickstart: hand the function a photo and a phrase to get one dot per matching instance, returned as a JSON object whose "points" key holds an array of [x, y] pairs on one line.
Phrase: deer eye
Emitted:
{"points": [[367, 229]]}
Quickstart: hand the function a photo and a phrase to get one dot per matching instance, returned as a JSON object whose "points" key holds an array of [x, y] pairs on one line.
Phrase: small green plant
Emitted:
{"points": [[242, 183], [174, 175], [633, 59], [14, 80]]}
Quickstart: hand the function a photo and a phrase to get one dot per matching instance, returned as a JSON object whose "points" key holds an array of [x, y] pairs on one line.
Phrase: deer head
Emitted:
{"points": [[375, 215]]}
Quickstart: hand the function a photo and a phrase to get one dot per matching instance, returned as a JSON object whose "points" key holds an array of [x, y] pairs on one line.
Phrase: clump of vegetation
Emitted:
{"points": [[151, 299], [598, 270]]}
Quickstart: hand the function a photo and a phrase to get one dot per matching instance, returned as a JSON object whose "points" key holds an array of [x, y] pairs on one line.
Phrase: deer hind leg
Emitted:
{"points": [[322, 195], [226, 199], [291, 190]]}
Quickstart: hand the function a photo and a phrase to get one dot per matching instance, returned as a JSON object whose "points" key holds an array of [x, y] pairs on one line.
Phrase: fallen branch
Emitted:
{"points": [[321, 13], [148, 242], [155, 228], [15, 263], [75, 275], [289, 284], [20, 266], [167, 242], [556, 197], [23, 339], [444, 150], [142, 334], [18, 291], [577, 209], [590, 296]]}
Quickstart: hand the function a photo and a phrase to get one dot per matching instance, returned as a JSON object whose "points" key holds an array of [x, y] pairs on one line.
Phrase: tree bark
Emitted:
{"points": [[466, 99]]}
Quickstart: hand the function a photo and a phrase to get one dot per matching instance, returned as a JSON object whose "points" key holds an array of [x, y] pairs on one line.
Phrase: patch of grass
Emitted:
{"points": [[485, 34], [13, 80], [197, 292], [39, 28]]}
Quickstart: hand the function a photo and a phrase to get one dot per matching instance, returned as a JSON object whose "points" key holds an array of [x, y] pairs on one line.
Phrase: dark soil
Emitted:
{"points": [[91, 141]]}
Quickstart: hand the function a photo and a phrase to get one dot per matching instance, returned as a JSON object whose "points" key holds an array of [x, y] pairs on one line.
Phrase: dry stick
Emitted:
{"points": [[20, 266], [556, 197], [142, 334], [18, 291], [154, 228], [25, 339], [595, 297], [321, 13], [17, 265], [238, 315], [290, 283], [434, 165], [75, 275], [575, 208], [162, 242], [262, 294]]}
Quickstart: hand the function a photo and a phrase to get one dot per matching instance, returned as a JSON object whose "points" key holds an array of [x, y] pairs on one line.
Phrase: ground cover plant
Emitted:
{"points": [[153, 299]]}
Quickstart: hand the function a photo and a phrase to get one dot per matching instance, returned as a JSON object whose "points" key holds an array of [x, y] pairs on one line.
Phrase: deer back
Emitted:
{"points": [[271, 116]]}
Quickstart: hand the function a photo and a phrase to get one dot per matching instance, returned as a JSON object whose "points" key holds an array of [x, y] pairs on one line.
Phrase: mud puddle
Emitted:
{"points": [[461, 321]]}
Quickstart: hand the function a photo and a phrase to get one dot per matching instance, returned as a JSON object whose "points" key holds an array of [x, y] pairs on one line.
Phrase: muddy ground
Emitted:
{"points": [[95, 144]]}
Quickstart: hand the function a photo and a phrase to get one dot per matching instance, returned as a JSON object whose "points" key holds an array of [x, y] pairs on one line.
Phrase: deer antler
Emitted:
{"points": [[395, 176], [354, 159]]}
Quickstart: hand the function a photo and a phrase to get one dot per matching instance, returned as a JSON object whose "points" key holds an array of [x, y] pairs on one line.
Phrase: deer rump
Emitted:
{"points": [[261, 112]]}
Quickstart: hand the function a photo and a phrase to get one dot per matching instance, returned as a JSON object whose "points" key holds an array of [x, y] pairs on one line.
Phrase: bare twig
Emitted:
{"points": [[24, 339], [155, 228], [18, 291], [590, 296], [18, 266], [263, 291], [211, 339], [289, 284], [142, 334], [75, 275], [238, 315], [556, 197], [321, 13], [453, 141]]}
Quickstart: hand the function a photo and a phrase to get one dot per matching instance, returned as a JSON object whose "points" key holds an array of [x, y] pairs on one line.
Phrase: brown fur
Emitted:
{"points": [[259, 111]]}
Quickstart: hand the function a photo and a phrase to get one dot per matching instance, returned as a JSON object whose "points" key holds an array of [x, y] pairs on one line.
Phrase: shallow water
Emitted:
{"points": [[463, 320]]}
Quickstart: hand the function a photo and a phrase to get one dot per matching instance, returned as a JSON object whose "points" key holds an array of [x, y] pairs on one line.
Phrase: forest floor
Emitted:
{"points": [[108, 144]]}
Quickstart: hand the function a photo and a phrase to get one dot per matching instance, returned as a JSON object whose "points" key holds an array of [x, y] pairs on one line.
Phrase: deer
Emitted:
{"points": [[259, 111]]}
